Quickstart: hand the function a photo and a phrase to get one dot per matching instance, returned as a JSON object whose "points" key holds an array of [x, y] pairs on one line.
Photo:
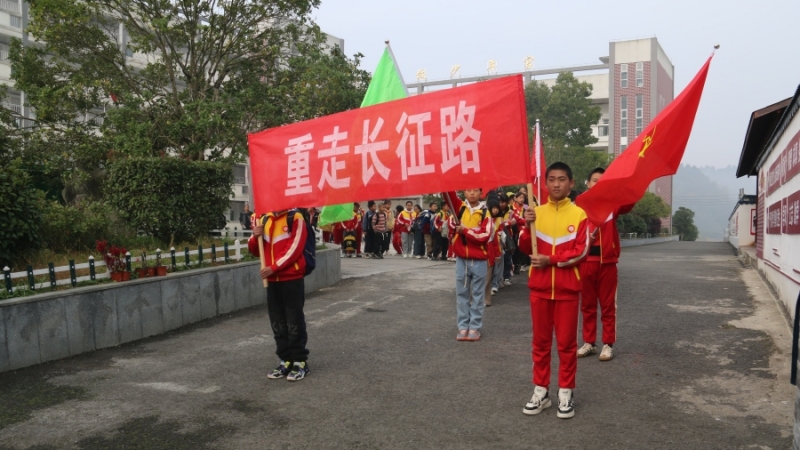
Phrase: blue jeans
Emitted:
{"points": [[497, 274], [507, 265], [470, 282]]}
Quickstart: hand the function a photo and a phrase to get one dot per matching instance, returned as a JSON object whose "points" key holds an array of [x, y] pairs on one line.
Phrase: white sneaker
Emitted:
{"points": [[607, 354], [418, 257], [565, 408], [586, 350], [494, 290], [507, 282], [539, 401], [405, 256]]}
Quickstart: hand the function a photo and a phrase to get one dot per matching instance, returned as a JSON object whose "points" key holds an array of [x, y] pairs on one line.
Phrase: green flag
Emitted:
{"points": [[386, 85]]}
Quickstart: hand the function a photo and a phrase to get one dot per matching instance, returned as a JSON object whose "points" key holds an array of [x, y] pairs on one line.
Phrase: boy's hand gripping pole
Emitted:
{"points": [[261, 249], [531, 204]]}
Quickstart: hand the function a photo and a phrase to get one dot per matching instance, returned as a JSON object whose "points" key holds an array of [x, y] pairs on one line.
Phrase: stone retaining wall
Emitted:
{"points": [[638, 242], [56, 325]]}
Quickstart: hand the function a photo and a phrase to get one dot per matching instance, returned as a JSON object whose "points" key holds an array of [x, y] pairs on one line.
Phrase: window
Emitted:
{"points": [[639, 114], [623, 147], [623, 75], [639, 74], [623, 116], [245, 189], [602, 129], [15, 21]]}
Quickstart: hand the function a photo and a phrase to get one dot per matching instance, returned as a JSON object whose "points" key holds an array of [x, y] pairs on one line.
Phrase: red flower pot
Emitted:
{"points": [[151, 271], [161, 271], [141, 273], [116, 276], [126, 276]]}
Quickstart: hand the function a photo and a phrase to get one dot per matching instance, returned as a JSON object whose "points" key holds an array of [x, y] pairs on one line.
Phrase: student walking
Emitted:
{"points": [[562, 237], [599, 282], [471, 236], [406, 219], [417, 227], [369, 233], [397, 231], [283, 250], [380, 232]]}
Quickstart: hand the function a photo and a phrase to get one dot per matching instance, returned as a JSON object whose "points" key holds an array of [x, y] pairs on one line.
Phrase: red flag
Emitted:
{"points": [[538, 167], [442, 141], [655, 153]]}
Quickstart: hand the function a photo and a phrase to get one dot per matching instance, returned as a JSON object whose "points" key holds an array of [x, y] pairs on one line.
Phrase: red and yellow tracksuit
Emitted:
{"points": [[283, 248], [354, 225], [599, 280], [474, 241], [562, 233], [405, 220]]}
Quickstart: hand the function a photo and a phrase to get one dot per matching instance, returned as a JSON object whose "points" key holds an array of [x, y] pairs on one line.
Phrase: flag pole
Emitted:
{"points": [[531, 202], [261, 255]]}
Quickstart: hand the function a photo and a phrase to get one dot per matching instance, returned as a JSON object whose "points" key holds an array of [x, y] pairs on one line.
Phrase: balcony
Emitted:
{"points": [[10, 6], [14, 107], [4, 52]]}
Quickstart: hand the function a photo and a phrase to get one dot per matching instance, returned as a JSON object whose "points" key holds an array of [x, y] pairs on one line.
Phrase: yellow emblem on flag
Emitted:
{"points": [[646, 143]]}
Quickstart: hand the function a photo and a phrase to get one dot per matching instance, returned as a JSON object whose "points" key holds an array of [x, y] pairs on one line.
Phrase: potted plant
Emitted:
{"points": [[161, 270], [113, 258], [141, 271], [151, 270]]}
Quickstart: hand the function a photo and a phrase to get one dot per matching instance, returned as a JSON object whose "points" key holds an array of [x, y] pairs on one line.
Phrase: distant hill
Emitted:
{"points": [[711, 193]]}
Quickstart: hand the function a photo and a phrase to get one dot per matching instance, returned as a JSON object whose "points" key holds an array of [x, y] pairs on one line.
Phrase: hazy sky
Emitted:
{"points": [[757, 65]]}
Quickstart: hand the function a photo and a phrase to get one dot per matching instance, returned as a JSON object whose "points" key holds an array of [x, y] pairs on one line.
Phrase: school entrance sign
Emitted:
{"points": [[454, 139]]}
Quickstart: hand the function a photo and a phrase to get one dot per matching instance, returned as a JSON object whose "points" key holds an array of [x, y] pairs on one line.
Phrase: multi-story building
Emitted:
{"points": [[631, 86]]}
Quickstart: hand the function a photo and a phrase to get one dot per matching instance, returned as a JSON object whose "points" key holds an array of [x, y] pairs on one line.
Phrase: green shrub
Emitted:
{"points": [[20, 219], [170, 198], [75, 227]]}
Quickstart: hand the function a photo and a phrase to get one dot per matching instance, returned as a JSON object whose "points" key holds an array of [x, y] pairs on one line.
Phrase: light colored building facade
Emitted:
{"points": [[741, 231], [772, 153]]}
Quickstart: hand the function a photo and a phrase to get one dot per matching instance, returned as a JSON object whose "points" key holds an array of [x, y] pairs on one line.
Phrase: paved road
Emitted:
{"points": [[701, 364]]}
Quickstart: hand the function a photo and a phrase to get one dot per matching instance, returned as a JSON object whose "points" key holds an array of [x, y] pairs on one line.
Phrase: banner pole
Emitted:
{"points": [[261, 251], [532, 204]]}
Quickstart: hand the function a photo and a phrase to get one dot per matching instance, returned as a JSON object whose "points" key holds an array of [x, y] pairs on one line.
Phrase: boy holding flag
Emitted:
{"points": [[599, 281], [562, 237]]}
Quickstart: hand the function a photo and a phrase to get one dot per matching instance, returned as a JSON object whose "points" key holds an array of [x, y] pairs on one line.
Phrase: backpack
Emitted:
{"points": [[310, 249], [366, 222], [417, 225]]}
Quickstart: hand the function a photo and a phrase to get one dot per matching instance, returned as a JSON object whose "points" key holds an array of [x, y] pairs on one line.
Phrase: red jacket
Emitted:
{"points": [[474, 241], [562, 232], [283, 248], [605, 247]]}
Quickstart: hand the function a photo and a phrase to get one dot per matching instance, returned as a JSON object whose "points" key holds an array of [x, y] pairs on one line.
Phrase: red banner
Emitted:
{"points": [[453, 139]]}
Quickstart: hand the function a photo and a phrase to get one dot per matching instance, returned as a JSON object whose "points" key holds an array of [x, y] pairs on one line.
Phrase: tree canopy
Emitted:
{"points": [[147, 78], [683, 222], [566, 116]]}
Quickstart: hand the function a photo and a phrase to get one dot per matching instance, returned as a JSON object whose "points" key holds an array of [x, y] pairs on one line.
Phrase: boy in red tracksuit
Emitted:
{"points": [[562, 238], [599, 281], [285, 269]]}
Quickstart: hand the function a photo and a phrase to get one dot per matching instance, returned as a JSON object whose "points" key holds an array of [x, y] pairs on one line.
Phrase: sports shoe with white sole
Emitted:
{"points": [[539, 401], [507, 282], [586, 350], [299, 371], [565, 408], [607, 354], [281, 371], [494, 290]]}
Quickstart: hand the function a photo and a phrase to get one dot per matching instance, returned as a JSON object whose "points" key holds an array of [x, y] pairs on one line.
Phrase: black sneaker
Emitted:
{"points": [[281, 371], [299, 371]]}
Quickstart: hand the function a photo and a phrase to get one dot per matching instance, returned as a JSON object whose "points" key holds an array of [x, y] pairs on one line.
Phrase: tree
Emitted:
{"points": [[651, 208], [566, 116], [631, 223], [160, 195], [187, 79], [19, 216], [683, 221]]}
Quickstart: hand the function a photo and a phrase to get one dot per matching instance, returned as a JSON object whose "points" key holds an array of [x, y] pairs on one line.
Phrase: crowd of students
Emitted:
{"points": [[571, 269]]}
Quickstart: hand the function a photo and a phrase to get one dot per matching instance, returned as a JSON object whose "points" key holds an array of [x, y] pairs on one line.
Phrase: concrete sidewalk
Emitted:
{"points": [[701, 363]]}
